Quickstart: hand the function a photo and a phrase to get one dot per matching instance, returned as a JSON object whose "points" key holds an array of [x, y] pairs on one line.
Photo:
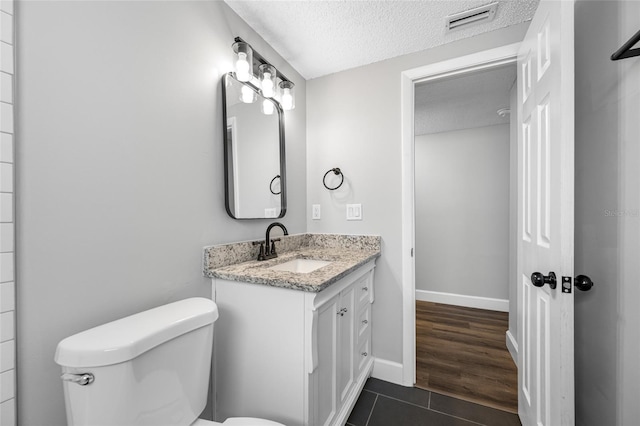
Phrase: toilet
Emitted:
{"points": [[151, 368]]}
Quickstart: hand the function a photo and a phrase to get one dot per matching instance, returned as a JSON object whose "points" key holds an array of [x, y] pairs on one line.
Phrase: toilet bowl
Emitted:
{"points": [[151, 368]]}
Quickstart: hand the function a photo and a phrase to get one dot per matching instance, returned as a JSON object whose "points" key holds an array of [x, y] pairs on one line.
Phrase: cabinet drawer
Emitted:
{"points": [[363, 322], [363, 354], [364, 289]]}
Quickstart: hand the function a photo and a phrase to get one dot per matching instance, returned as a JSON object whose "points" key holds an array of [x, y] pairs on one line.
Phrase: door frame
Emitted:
{"points": [[457, 66]]}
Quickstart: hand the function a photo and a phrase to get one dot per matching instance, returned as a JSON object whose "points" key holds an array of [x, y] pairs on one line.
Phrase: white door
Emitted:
{"points": [[545, 217]]}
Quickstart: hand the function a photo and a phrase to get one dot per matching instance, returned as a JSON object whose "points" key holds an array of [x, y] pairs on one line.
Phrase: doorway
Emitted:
{"points": [[446, 69], [462, 175], [462, 197]]}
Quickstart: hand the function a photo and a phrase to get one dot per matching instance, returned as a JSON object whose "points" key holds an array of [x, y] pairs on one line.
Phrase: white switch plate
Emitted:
{"points": [[316, 212], [354, 211]]}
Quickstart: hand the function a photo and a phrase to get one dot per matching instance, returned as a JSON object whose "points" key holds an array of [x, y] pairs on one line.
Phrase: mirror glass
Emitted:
{"points": [[255, 185]]}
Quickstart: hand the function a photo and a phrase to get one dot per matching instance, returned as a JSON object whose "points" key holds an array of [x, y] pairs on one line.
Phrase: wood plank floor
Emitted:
{"points": [[462, 352]]}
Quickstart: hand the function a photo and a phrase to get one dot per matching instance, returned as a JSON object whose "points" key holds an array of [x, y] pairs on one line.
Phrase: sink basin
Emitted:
{"points": [[300, 266]]}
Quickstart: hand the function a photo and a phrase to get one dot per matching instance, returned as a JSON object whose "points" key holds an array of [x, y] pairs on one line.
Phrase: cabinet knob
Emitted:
{"points": [[364, 354], [365, 322], [341, 312], [365, 288]]}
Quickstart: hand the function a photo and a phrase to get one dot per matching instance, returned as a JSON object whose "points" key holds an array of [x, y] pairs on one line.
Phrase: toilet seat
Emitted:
{"points": [[249, 421], [237, 421]]}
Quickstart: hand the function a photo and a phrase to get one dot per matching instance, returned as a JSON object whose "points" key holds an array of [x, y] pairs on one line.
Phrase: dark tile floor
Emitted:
{"points": [[386, 404]]}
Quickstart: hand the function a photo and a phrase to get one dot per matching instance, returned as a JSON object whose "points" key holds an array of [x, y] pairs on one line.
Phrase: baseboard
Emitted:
{"points": [[487, 303], [512, 346], [388, 371]]}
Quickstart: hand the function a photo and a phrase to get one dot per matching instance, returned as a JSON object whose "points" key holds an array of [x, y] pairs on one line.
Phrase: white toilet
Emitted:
{"points": [[150, 368]]}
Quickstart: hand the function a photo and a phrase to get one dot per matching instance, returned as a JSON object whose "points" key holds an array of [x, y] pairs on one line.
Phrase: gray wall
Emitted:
{"points": [[607, 342], [119, 140], [354, 123], [462, 211]]}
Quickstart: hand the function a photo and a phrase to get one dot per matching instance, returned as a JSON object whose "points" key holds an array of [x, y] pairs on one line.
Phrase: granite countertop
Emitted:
{"points": [[346, 253]]}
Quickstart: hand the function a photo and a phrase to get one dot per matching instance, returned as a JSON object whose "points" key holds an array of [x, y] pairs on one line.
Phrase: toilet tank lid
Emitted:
{"points": [[126, 338]]}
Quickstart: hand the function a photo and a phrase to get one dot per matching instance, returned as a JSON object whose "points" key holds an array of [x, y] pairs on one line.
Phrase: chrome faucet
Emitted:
{"points": [[266, 251]]}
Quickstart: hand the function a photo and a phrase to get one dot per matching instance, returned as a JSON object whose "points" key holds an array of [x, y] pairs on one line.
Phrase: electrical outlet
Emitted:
{"points": [[354, 211], [316, 212]]}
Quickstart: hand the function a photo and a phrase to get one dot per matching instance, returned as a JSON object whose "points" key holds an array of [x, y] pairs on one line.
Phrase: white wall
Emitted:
{"points": [[354, 123], [120, 149], [607, 226], [462, 212]]}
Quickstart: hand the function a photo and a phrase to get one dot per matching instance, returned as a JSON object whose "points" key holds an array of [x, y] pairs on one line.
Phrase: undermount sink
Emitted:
{"points": [[300, 266]]}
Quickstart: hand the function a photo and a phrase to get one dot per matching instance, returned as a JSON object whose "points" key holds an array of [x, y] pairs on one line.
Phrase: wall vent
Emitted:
{"points": [[476, 16]]}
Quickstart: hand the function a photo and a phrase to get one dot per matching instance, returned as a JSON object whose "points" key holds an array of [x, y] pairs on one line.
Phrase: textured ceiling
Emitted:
{"points": [[322, 37], [463, 102]]}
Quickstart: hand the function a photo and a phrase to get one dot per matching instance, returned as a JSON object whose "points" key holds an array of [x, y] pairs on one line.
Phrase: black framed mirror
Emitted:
{"points": [[254, 155]]}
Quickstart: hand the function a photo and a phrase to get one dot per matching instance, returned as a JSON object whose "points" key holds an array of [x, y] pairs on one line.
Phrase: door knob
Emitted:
{"points": [[583, 283], [539, 280]]}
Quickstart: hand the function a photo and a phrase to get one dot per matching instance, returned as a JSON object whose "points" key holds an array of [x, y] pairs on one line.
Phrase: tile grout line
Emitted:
{"points": [[428, 408], [402, 400], [372, 407], [456, 417]]}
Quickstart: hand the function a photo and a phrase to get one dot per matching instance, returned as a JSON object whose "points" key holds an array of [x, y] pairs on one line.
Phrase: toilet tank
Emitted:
{"points": [[151, 368]]}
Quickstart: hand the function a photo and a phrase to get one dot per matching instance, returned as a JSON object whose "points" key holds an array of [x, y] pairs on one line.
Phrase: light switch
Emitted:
{"points": [[354, 211], [316, 212]]}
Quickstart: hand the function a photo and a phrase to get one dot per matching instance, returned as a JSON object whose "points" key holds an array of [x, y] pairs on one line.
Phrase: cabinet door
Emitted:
{"points": [[347, 342], [326, 372]]}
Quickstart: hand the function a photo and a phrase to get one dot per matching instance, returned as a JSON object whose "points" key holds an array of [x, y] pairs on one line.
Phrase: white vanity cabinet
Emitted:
{"points": [[343, 351], [296, 357]]}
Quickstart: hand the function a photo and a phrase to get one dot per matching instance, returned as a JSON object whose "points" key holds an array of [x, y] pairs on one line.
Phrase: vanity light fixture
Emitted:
{"points": [[244, 61], [288, 98], [267, 79]]}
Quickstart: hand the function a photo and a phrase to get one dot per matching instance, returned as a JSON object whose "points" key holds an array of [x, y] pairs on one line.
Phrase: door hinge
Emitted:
{"points": [[566, 284]]}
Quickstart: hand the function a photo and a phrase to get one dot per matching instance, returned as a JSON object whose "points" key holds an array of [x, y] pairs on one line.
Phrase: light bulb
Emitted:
{"points": [[267, 86], [267, 107], [268, 80], [242, 67], [287, 95], [287, 99], [247, 95]]}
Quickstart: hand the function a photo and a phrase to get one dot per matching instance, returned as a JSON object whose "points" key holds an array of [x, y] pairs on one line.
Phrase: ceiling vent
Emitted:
{"points": [[472, 17]]}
